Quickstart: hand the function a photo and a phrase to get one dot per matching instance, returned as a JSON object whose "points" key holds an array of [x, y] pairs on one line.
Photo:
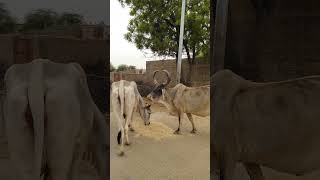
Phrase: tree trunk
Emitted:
{"points": [[189, 74], [187, 81], [191, 63]]}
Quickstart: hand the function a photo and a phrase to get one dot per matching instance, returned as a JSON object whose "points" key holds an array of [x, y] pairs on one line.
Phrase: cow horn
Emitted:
{"points": [[154, 75], [168, 76]]}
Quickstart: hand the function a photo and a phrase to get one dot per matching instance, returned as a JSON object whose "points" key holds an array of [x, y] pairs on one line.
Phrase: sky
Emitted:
{"points": [[122, 51]]}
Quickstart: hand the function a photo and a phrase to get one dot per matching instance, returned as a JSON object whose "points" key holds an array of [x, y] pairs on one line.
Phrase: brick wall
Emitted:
{"points": [[169, 65], [58, 49], [85, 52], [6, 49], [75, 31], [92, 55], [115, 76], [200, 73]]}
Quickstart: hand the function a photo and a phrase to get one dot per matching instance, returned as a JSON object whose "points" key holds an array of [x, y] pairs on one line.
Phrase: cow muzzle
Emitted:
{"points": [[149, 97], [147, 124]]}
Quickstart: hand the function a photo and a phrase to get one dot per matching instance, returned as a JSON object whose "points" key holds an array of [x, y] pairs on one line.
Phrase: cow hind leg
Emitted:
{"points": [[121, 152], [215, 169], [100, 145], [61, 161], [119, 137], [227, 169], [254, 171], [126, 127], [61, 136], [194, 130], [178, 130], [20, 135], [126, 130]]}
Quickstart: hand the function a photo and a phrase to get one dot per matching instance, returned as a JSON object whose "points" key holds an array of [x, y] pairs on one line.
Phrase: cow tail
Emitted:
{"points": [[122, 113], [121, 94], [36, 103]]}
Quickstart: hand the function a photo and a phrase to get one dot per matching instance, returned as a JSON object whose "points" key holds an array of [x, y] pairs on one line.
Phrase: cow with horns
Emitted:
{"points": [[182, 99]]}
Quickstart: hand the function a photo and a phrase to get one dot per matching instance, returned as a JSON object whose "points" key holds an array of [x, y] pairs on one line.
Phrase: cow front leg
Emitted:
{"points": [[178, 130], [254, 171], [194, 130], [126, 131]]}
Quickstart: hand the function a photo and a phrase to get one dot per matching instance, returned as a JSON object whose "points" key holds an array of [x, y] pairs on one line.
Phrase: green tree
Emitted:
{"points": [[40, 19], [122, 67], [112, 68], [7, 22], [70, 19], [132, 67], [155, 25]]}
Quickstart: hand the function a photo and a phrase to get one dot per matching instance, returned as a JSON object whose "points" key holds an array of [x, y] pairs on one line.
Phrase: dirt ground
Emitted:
{"points": [[156, 153]]}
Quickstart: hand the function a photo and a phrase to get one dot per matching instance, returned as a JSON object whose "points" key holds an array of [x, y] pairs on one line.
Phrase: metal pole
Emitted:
{"points": [[181, 40]]}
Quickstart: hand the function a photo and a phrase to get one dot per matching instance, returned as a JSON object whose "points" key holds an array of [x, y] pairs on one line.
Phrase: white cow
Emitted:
{"points": [[51, 119], [182, 99], [125, 99]]}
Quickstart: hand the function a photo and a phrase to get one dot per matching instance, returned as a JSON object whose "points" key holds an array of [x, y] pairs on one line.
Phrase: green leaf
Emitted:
{"points": [[155, 25]]}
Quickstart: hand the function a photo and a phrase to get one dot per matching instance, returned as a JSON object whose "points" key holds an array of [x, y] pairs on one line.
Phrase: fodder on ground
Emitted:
{"points": [[156, 130]]}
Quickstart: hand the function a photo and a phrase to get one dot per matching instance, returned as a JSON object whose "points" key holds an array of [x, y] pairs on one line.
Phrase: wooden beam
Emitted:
{"points": [[220, 35]]}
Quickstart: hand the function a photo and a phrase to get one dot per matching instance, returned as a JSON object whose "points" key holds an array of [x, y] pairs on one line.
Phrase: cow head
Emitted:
{"points": [[146, 111], [157, 94]]}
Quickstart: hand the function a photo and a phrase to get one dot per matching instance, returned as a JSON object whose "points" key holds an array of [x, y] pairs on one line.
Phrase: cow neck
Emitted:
{"points": [[140, 106], [168, 99]]}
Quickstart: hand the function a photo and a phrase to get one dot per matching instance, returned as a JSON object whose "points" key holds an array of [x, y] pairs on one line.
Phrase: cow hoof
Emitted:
{"points": [[121, 153], [127, 144], [176, 132], [194, 131]]}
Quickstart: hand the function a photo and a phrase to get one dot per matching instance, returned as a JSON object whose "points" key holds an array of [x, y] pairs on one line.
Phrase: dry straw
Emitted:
{"points": [[156, 130]]}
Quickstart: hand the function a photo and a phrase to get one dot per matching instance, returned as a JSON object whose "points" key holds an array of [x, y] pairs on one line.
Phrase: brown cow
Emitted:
{"points": [[182, 99], [275, 124]]}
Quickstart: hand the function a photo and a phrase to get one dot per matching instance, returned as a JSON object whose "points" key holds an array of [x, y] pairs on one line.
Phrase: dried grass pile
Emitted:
{"points": [[156, 130]]}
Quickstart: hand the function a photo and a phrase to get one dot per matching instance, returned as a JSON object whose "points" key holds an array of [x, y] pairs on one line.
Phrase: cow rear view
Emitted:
{"points": [[50, 116], [126, 99]]}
